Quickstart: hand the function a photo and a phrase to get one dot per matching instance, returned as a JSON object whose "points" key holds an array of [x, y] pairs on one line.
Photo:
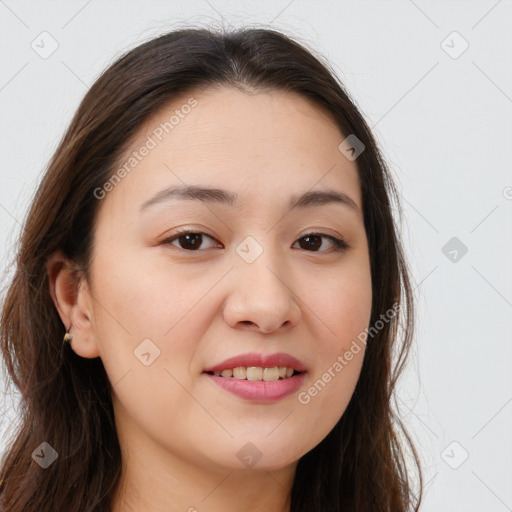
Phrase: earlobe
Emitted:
{"points": [[71, 297]]}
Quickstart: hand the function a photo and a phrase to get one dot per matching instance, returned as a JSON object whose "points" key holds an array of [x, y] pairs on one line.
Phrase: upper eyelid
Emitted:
{"points": [[197, 232]]}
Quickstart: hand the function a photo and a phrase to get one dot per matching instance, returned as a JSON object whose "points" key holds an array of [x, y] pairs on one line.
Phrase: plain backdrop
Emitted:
{"points": [[434, 81]]}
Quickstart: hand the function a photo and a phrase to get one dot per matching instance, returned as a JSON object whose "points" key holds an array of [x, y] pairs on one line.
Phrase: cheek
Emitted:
{"points": [[148, 340], [325, 398], [329, 388], [342, 307], [142, 326], [344, 310], [149, 318], [143, 297]]}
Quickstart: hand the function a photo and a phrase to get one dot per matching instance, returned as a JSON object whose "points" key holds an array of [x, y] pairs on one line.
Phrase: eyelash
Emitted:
{"points": [[340, 244]]}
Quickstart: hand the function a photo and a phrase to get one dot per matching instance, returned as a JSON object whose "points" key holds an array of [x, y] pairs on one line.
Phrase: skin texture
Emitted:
{"points": [[179, 432]]}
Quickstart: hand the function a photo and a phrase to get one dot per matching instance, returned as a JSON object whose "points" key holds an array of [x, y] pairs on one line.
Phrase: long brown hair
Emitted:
{"points": [[65, 399]]}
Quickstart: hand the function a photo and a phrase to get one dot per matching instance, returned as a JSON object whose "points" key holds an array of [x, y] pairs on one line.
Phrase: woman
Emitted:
{"points": [[208, 293]]}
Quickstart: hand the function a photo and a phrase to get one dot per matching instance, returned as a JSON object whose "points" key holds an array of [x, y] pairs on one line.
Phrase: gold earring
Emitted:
{"points": [[67, 337]]}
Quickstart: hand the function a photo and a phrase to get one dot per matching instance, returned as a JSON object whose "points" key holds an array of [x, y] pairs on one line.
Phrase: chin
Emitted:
{"points": [[244, 455]]}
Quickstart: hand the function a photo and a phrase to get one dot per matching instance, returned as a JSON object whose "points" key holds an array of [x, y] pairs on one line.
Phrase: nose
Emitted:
{"points": [[261, 298]]}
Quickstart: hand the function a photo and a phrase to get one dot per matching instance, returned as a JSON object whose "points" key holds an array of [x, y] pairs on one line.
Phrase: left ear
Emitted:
{"points": [[71, 296]]}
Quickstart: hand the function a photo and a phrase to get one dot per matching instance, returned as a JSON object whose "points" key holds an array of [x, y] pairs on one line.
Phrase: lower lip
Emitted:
{"points": [[260, 390]]}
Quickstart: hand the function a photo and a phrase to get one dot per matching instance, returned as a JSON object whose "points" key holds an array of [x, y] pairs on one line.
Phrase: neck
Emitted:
{"points": [[232, 491]]}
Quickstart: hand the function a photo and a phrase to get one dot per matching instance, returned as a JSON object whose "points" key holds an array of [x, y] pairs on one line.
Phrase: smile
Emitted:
{"points": [[256, 373], [257, 377]]}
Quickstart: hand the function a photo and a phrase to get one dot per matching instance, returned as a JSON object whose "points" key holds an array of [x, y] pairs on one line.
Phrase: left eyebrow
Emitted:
{"points": [[216, 195]]}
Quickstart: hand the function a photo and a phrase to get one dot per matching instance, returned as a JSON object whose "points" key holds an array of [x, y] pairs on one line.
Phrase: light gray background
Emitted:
{"points": [[445, 127]]}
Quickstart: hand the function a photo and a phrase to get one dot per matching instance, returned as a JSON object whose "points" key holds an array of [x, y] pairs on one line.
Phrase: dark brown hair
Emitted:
{"points": [[65, 399]]}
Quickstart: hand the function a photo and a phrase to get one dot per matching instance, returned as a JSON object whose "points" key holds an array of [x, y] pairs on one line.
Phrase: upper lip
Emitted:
{"points": [[259, 360]]}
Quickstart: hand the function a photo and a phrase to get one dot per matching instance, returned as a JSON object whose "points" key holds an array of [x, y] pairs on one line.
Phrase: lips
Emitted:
{"points": [[253, 384]]}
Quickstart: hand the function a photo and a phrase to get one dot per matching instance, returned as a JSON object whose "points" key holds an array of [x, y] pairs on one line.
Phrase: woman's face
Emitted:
{"points": [[167, 310]]}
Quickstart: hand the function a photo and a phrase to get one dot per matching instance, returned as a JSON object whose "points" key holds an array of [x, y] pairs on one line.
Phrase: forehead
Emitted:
{"points": [[271, 143]]}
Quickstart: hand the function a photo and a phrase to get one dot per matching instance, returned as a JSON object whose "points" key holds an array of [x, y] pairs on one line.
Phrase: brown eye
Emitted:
{"points": [[313, 241], [187, 240]]}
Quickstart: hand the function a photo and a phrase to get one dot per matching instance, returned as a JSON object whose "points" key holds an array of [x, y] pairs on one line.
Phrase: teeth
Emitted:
{"points": [[271, 373], [240, 372], [256, 373]]}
